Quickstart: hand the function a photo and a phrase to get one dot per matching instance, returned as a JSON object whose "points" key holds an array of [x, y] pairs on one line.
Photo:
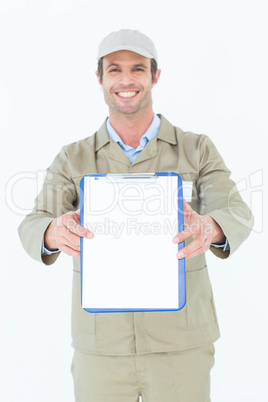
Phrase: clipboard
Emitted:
{"points": [[130, 265]]}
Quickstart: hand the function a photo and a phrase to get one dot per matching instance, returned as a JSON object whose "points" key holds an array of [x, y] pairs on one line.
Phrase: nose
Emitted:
{"points": [[126, 78]]}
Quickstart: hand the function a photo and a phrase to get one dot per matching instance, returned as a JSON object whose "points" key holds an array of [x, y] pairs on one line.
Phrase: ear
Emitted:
{"points": [[156, 77], [97, 74]]}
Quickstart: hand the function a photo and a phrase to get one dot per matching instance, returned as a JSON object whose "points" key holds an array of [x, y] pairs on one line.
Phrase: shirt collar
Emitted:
{"points": [[147, 136], [167, 133]]}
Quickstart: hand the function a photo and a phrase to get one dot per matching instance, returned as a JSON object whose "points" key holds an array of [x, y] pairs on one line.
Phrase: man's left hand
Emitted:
{"points": [[202, 228]]}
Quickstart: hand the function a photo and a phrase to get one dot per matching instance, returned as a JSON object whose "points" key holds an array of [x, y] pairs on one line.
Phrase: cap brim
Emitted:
{"points": [[134, 49]]}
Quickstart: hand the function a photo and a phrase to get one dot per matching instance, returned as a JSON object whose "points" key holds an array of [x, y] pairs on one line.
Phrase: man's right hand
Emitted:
{"points": [[64, 234]]}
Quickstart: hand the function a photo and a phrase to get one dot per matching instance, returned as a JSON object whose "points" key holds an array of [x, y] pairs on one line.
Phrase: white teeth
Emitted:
{"points": [[126, 94]]}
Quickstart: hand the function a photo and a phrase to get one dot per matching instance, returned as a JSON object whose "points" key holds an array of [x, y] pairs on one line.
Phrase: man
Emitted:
{"points": [[162, 356]]}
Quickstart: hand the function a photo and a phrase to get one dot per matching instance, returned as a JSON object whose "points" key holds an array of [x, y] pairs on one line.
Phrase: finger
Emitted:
{"points": [[70, 251], [72, 242], [187, 250], [197, 246], [182, 235], [200, 250], [63, 234], [76, 228], [194, 254], [66, 237]]}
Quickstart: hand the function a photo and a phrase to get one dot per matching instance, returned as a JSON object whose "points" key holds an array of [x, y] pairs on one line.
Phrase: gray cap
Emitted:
{"points": [[127, 39]]}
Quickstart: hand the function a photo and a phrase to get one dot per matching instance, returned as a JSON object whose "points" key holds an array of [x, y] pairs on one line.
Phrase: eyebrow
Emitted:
{"points": [[140, 65], [134, 66]]}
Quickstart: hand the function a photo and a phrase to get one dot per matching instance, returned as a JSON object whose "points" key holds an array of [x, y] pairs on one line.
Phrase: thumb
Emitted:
{"points": [[186, 207], [76, 215], [188, 212]]}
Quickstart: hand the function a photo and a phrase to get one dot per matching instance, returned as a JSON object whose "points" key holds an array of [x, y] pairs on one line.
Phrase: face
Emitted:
{"points": [[127, 82]]}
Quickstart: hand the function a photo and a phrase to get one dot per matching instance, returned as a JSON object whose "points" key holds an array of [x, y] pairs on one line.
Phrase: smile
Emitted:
{"points": [[129, 94]]}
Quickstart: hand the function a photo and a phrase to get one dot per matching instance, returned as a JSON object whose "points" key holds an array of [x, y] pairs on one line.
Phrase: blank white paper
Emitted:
{"points": [[131, 263]]}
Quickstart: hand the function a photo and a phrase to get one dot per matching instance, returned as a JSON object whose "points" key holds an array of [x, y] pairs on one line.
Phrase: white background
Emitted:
{"points": [[213, 57]]}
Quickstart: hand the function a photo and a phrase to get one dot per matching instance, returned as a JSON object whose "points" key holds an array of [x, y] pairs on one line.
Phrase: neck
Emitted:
{"points": [[131, 128]]}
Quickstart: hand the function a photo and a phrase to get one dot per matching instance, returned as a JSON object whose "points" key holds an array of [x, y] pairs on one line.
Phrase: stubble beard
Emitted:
{"points": [[129, 110]]}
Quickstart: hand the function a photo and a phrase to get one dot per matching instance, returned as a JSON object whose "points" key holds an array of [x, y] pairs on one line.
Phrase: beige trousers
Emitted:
{"points": [[157, 377]]}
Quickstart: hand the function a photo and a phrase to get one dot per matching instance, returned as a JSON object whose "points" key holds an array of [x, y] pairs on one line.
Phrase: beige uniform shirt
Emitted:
{"points": [[194, 158]]}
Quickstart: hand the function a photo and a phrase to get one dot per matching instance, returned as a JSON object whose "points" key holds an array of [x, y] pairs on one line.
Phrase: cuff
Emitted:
{"points": [[45, 251], [225, 246]]}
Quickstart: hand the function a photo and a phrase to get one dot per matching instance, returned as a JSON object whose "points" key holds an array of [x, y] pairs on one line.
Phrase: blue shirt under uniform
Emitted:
{"points": [[130, 152]]}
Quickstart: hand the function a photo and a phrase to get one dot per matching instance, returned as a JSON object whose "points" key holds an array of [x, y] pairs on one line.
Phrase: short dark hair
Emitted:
{"points": [[100, 68]]}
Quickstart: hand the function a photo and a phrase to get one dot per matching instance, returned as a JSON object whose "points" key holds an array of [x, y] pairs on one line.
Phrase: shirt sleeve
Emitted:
{"points": [[224, 247], [45, 251]]}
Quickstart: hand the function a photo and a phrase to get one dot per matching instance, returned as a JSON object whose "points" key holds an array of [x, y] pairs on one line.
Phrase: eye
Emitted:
{"points": [[138, 69], [113, 70]]}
